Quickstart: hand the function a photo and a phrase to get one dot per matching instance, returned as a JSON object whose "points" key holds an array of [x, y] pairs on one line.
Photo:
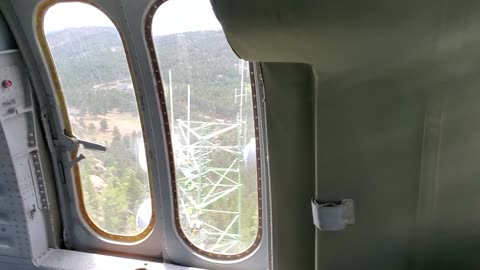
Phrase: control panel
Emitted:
{"points": [[14, 87], [23, 200]]}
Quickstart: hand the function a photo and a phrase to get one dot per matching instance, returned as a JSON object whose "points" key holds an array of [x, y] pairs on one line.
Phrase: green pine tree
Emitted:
{"points": [[103, 125]]}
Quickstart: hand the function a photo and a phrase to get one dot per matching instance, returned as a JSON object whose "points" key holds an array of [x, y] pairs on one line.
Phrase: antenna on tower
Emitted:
{"points": [[170, 93]]}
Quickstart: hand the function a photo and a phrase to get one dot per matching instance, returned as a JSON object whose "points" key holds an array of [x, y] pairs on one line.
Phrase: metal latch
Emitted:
{"points": [[333, 216], [72, 144]]}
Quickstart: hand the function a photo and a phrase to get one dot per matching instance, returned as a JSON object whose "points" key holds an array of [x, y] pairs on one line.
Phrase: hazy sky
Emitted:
{"points": [[174, 16]]}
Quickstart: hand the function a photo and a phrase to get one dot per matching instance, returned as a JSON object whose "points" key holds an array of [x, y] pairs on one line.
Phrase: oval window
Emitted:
{"points": [[99, 94], [212, 122]]}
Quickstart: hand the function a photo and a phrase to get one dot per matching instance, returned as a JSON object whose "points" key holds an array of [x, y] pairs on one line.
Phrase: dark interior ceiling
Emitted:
{"points": [[383, 110]]}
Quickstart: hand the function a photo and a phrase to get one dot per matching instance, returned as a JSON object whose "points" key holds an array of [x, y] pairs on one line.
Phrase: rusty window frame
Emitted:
{"points": [[171, 158], [41, 12]]}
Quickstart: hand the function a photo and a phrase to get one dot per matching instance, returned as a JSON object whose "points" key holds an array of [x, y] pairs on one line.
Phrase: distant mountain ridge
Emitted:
{"points": [[91, 56], [100, 48]]}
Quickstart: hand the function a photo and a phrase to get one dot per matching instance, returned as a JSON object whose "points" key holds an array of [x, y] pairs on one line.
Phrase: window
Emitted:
{"points": [[91, 65], [212, 127]]}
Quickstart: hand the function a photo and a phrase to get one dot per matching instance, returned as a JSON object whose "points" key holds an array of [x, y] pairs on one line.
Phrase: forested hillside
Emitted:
{"points": [[79, 51]]}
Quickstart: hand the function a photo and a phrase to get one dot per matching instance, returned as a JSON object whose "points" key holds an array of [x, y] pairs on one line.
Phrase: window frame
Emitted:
{"points": [[42, 9], [260, 148]]}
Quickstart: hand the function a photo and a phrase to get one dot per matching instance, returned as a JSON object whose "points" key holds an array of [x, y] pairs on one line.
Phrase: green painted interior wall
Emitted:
{"points": [[385, 111]]}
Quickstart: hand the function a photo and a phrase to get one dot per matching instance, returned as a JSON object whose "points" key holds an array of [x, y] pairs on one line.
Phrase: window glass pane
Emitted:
{"points": [[92, 67], [212, 124]]}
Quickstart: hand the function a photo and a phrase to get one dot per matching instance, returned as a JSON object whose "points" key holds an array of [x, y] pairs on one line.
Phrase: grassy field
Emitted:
{"points": [[125, 122]]}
